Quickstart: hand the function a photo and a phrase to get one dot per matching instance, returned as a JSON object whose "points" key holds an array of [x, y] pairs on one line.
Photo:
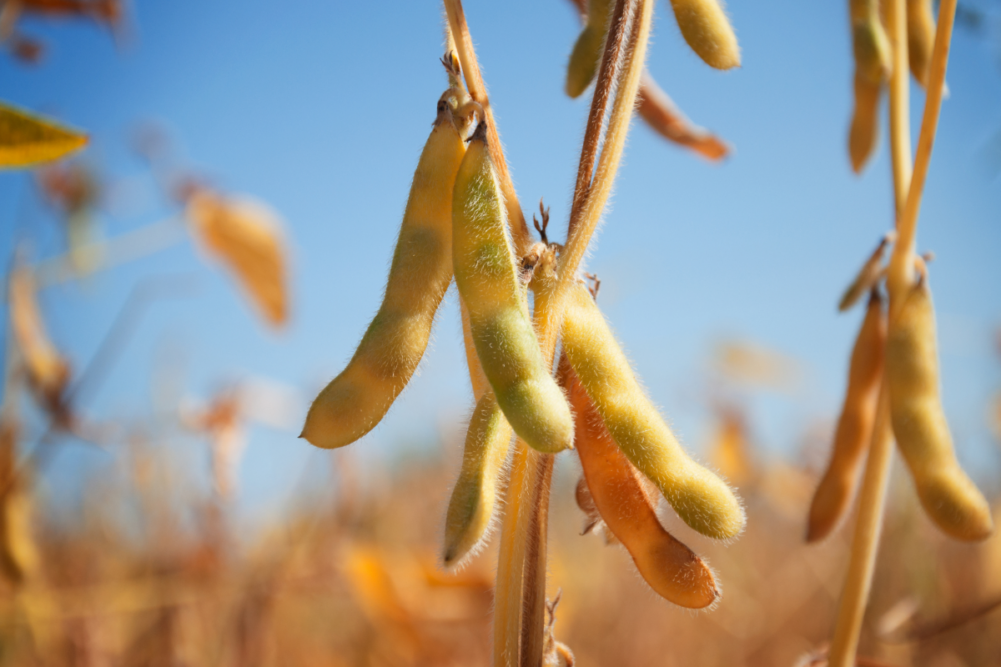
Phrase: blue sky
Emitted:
{"points": [[321, 110]]}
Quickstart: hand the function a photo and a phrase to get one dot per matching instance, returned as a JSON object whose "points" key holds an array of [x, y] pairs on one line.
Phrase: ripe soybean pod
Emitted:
{"points": [[920, 37], [389, 352], [706, 28], [700, 498], [947, 494], [622, 500], [851, 438], [586, 54], [487, 277], [865, 122], [471, 507], [870, 43]]}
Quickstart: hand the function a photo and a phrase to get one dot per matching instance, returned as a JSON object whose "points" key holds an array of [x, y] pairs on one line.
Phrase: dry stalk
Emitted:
{"points": [[873, 494], [474, 82], [519, 607]]}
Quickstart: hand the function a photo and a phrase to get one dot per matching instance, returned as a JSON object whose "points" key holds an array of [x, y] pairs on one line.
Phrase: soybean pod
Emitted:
{"points": [[865, 122], [392, 347], [920, 37], [471, 508], [586, 54], [700, 498], [947, 494], [487, 277], [706, 28], [851, 438], [870, 43], [621, 499]]}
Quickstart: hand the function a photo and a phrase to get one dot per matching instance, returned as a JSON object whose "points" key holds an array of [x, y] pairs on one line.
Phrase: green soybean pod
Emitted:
{"points": [[392, 347], [701, 499], [487, 277], [471, 509], [947, 494], [706, 28], [586, 54]]}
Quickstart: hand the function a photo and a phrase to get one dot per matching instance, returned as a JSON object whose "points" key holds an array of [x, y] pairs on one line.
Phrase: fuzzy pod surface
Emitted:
{"points": [[623, 502], [701, 498], [472, 506], [487, 277], [706, 28], [838, 486], [947, 494], [392, 346]]}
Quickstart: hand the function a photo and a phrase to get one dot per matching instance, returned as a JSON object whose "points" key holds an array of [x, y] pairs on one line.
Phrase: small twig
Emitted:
{"points": [[544, 212], [900, 106]]}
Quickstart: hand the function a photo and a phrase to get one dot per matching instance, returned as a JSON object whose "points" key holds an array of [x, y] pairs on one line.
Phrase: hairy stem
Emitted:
{"points": [[474, 82]]}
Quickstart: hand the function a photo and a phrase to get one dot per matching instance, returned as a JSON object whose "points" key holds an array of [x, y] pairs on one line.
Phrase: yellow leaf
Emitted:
{"points": [[245, 235], [47, 369], [26, 140]]}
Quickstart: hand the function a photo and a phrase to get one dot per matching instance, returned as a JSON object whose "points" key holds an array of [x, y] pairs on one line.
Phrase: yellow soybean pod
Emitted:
{"points": [[622, 500], [487, 277], [920, 37], [870, 43], [865, 122], [700, 498], [706, 28], [947, 494], [851, 438], [471, 509], [586, 54], [392, 347]]}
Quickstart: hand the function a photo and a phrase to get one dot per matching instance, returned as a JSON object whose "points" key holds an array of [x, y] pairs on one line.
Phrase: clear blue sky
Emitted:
{"points": [[321, 109]]}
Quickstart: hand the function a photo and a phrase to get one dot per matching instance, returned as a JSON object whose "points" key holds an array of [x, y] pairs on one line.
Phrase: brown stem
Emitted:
{"points": [[534, 582]]}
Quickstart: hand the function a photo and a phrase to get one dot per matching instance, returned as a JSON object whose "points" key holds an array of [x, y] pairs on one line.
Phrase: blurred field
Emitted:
{"points": [[149, 572]]}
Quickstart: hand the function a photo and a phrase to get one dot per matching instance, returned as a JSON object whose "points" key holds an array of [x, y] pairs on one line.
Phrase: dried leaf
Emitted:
{"points": [[48, 371], [246, 236], [27, 140], [661, 114]]}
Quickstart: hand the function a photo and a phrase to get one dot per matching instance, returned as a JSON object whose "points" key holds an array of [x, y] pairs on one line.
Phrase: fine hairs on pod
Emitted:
{"points": [[392, 347], [838, 486], [620, 497], [706, 28], [486, 274], [947, 494], [701, 498]]}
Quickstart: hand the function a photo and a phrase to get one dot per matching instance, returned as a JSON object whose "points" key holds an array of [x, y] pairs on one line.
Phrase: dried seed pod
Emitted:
{"points": [[700, 498], [871, 47], [586, 54], [48, 370], [920, 37], [471, 508], [392, 347], [487, 277], [706, 28], [621, 498], [947, 494], [865, 122], [851, 438], [868, 275]]}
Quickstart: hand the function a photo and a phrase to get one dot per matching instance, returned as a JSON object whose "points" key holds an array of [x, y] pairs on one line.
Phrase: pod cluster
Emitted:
{"points": [[456, 226], [872, 52], [902, 352]]}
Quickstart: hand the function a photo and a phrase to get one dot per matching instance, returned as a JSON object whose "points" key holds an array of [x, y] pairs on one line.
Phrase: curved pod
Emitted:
{"points": [[700, 498], [471, 507], [949, 497], [706, 28], [620, 497], [838, 486], [392, 347], [501, 329]]}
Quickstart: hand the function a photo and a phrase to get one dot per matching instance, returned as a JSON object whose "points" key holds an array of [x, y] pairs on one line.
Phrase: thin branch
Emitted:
{"points": [[900, 108], [474, 82]]}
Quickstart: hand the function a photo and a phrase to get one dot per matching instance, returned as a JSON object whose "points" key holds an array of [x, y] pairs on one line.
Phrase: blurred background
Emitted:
{"points": [[199, 529]]}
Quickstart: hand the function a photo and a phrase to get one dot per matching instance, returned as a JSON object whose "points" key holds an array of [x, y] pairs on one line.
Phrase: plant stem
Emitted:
{"points": [[908, 191], [478, 91], [865, 542]]}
